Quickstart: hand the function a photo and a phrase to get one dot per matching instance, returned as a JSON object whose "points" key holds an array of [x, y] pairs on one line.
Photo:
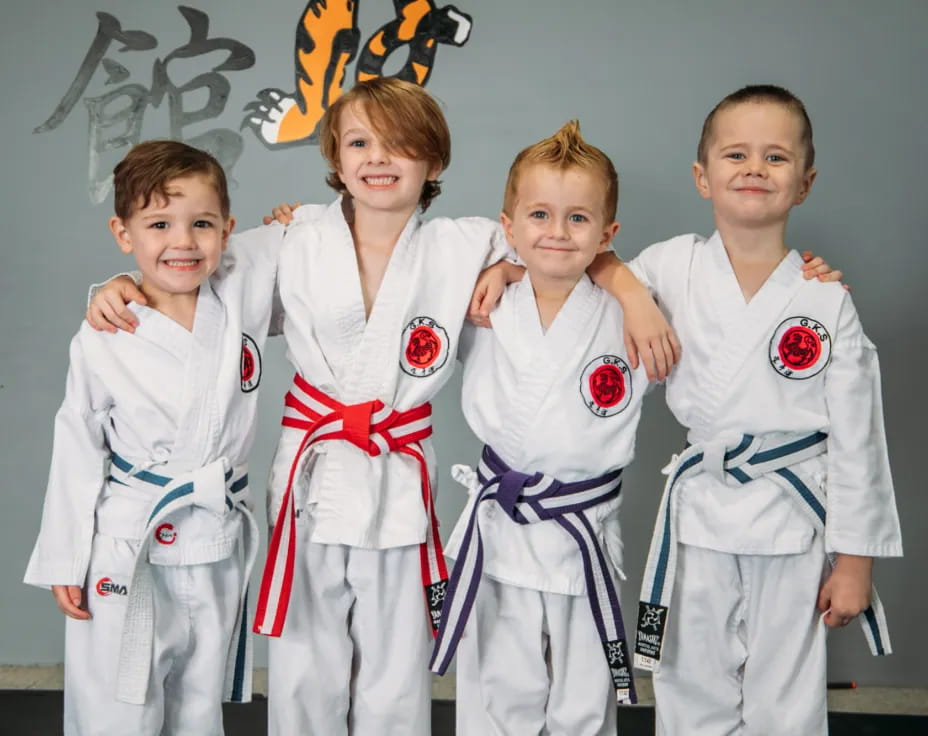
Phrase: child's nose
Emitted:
{"points": [[378, 153], [757, 165]]}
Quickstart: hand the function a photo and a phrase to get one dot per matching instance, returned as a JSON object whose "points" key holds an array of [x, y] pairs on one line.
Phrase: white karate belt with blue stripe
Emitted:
{"points": [[528, 499], [744, 459], [219, 490]]}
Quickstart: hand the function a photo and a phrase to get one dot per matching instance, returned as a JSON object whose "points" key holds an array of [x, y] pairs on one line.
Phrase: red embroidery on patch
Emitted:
{"points": [[423, 348], [607, 386], [248, 365], [799, 348]]}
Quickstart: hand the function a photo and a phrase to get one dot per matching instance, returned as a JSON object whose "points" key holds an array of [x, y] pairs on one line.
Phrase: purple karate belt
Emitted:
{"points": [[528, 499]]}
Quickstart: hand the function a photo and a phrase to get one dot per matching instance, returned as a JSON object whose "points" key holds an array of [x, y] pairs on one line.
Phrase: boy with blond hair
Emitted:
{"points": [[375, 298], [551, 393], [147, 536], [786, 469]]}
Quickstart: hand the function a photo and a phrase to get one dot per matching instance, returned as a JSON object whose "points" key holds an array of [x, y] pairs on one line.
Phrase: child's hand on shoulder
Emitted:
{"points": [[489, 289], [282, 213], [846, 592], [815, 267], [68, 598], [107, 311]]}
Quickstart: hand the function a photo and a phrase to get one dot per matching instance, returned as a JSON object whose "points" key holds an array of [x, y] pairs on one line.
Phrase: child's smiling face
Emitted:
{"points": [[754, 171]]}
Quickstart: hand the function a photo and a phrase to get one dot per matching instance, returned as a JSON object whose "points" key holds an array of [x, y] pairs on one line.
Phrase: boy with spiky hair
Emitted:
{"points": [[532, 605], [147, 536], [786, 469]]}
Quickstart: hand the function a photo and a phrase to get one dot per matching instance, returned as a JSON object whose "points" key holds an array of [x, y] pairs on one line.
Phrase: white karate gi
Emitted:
{"points": [[744, 649], [530, 659], [356, 631], [168, 402]]}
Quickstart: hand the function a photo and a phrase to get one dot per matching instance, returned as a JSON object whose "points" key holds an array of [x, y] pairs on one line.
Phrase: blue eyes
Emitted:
{"points": [[357, 144], [577, 219], [774, 158]]}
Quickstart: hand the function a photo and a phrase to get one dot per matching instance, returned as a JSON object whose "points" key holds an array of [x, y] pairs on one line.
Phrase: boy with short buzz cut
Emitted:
{"points": [[532, 605], [786, 469], [147, 536]]}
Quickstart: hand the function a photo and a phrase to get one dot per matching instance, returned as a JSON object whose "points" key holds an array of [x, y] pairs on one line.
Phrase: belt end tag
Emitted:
{"points": [[616, 651], [435, 597], [652, 617]]}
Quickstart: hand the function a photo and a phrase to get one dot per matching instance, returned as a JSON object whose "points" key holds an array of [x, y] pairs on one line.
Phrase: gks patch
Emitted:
{"points": [[606, 385], [424, 346], [800, 348], [251, 364]]}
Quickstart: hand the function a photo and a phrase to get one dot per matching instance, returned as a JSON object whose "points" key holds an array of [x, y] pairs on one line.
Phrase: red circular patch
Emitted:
{"points": [[799, 348], [248, 364], [99, 586], [607, 386], [423, 348], [164, 534]]}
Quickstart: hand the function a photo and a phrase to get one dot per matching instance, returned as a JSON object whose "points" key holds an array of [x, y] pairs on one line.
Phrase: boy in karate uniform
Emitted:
{"points": [[551, 393], [786, 469], [147, 535]]}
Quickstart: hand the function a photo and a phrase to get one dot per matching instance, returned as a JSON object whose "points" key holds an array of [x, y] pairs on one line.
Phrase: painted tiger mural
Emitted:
{"points": [[327, 41]]}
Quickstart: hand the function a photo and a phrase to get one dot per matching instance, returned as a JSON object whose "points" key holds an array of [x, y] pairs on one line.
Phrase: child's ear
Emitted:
{"points": [[121, 234], [807, 180], [434, 172], [506, 222], [227, 228], [608, 234], [702, 182]]}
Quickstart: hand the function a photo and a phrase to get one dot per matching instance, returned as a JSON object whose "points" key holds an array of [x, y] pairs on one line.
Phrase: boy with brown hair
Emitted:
{"points": [[786, 468], [147, 536], [532, 605]]}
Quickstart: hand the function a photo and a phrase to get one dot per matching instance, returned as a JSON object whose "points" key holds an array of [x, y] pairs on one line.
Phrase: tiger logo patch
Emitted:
{"points": [[800, 348], [424, 346], [606, 385], [251, 364]]}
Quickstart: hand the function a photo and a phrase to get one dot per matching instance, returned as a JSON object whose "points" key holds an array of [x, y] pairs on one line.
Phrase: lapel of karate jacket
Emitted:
{"points": [[541, 356], [744, 328]]}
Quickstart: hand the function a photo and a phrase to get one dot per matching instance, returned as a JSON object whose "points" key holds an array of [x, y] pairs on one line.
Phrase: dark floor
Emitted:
{"points": [[38, 713]]}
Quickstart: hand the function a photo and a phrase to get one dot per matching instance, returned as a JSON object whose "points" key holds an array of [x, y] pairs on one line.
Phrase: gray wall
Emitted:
{"points": [[639, 76]]}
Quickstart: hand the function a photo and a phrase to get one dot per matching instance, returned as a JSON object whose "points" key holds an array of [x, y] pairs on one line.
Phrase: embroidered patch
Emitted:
{"points": [[606, 385], [165, 534], [800, 348], [106, 587], [425, 347], [251, 364]]}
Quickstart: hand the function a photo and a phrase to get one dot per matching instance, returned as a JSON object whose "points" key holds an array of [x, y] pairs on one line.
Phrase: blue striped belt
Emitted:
{"points": [[216, 489], [528, 499], [744, 459]]}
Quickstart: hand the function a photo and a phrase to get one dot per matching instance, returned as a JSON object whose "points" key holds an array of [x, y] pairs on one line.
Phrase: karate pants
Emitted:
{"points": [[195, 608], [529, 663], [745, 646], [353, 657]]}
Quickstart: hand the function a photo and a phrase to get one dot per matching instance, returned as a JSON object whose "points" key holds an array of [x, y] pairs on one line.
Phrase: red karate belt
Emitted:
{"points": [[376, 429]]}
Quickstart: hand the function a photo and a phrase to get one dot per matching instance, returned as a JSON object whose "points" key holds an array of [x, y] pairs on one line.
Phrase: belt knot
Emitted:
{"points": [[511, 485], [356, 421]]}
